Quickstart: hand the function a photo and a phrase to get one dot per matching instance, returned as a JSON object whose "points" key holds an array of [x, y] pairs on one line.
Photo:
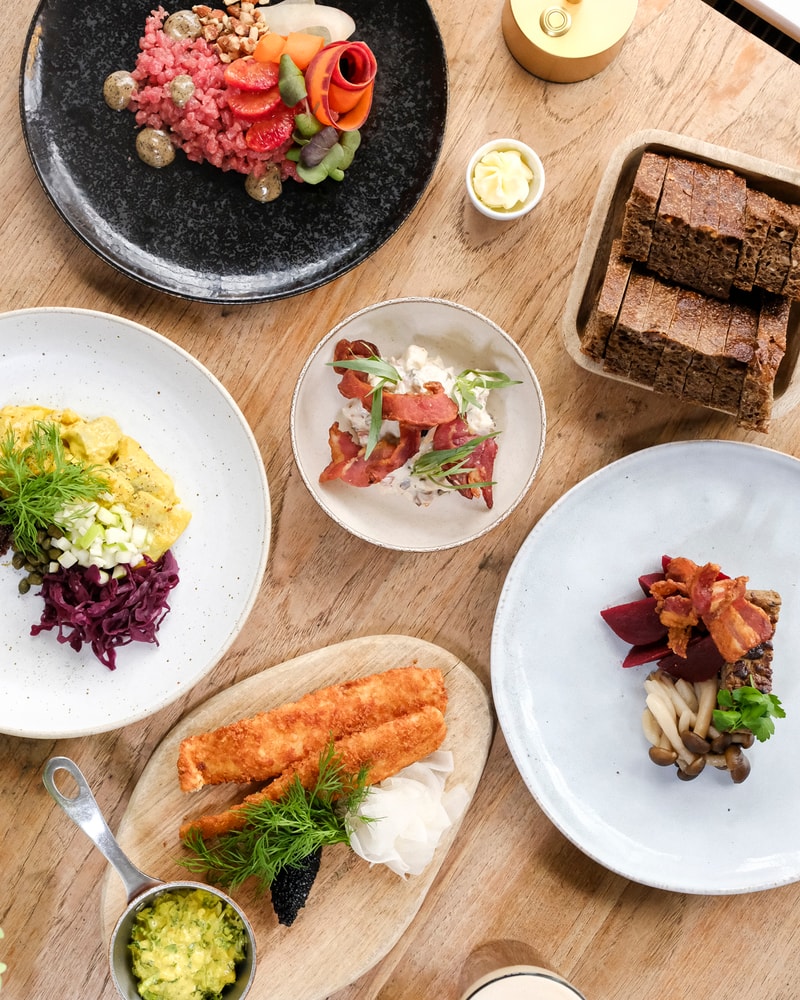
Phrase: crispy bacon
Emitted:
{"points": [[416, 409], [350, 464], [350, 350], [455, 434], [420, 409], [691, 594]]}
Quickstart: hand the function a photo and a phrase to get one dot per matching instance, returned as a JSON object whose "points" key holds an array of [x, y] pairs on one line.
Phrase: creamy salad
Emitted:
{"points": [[416, 367]]}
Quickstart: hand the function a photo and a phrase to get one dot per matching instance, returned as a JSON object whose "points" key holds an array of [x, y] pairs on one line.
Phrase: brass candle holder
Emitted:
{"points": [[566, 40]]}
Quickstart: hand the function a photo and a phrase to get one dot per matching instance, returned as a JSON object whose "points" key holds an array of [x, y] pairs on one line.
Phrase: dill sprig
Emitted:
{"points": [[471, 380], [386, 374], [441, 463], [38, 481], [279, 835]]}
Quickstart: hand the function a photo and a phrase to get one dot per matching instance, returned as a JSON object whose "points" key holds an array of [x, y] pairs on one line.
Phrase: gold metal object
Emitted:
{"points": [[555, 21], [569, 40]]}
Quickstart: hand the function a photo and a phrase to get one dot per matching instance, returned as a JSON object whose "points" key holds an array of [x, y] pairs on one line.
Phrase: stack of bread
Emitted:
{"points": [[697, 293]]}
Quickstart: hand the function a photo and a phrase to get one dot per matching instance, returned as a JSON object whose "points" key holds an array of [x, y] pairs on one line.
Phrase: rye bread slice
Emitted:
{"points": [[709, 352], [642, 206], [756, 226], [755, 406], [603, 317], [622, 342], [648, 343], [679, 345], [739, 349], [672, 225]]}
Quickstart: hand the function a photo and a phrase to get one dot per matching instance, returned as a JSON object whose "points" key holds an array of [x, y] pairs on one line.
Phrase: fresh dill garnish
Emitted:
{"points": [[38, 481], [386, 374], [471, 380], [441, 463], [281, 834]]}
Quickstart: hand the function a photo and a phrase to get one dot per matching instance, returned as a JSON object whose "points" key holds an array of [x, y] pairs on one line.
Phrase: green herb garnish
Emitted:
{"points": [[386, 374], [438, 464], [748, 708], [281, 834], [473, 379], [38, 481]]}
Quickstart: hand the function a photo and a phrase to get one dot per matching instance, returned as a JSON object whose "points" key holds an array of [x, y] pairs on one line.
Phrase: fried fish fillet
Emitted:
{"points": [[384, 749], [270, 743]]}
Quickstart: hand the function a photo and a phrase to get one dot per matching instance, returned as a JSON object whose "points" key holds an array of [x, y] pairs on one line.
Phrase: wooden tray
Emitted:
{"points": [[605, 225], [355, 913]]}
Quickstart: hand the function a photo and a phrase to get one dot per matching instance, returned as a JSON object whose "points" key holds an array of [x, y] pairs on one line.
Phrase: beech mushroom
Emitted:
{"points": [[692, 769], [706, 703], [737, 763], [720, 742], [663, 756], [692, 741]]}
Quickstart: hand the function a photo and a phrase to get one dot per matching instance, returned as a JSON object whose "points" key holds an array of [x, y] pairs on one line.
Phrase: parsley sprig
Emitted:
{"points": [[748, 708], [282, 834], [441, 463], [386, 374], [38, 481]]}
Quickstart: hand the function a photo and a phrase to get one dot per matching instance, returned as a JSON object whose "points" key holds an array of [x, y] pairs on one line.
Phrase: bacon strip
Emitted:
{"points": [[481, 463], [691, 594], [350, 464], [417, 409]]}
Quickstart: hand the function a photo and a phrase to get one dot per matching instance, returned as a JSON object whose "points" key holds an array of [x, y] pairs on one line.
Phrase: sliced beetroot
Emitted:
{"points": [[646, 581], [703, 660], [637, 655], [636, 623]]}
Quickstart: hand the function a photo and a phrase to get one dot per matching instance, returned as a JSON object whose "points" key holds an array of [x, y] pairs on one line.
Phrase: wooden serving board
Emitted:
{"points": [[355, 913]]}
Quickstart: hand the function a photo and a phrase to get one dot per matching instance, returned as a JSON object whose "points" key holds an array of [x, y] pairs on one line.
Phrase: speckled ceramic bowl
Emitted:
{"points": [[535, 190], [101, 365], [462, 339]]}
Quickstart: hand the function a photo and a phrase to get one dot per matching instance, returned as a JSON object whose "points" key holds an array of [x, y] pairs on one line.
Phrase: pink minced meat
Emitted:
{"points": [[205, 127], [107, 615]]}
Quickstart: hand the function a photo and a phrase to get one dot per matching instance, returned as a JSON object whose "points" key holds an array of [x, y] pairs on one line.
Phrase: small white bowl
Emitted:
{"points": [[535, 191], [463, 339]]}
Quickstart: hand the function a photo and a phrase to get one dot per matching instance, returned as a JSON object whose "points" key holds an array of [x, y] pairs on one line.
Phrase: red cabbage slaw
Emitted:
{"points": [[107, 615]]}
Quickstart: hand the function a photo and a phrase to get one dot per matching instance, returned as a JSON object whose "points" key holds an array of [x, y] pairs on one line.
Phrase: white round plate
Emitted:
{"points": [[462, 338], [571, 714], [182, 416]]}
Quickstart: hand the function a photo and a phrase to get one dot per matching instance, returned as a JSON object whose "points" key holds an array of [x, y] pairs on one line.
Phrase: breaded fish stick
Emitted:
{"points": [[270, 743], [385, 749]]}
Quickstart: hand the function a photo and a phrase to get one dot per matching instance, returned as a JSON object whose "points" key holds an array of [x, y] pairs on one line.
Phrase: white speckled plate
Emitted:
{"points": [[572, 715], [98, 365], [461, 338]]}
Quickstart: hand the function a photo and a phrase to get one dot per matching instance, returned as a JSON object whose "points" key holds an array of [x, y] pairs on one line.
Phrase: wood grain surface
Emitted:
{"points": [[684, 68], [355, 913]]}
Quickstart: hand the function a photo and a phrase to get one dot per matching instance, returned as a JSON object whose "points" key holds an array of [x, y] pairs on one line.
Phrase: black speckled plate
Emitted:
{"points": [[191, 229]]}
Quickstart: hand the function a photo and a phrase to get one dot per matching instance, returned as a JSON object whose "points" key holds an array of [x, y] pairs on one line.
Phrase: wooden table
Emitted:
{"points": [[684, 68]]}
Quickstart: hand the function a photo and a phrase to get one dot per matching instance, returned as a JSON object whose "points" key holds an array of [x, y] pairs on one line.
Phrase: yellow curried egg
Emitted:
{"points": [[134, 480]]}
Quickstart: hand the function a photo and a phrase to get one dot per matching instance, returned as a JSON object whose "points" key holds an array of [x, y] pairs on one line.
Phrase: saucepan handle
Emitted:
{"points": [[85, 813]]}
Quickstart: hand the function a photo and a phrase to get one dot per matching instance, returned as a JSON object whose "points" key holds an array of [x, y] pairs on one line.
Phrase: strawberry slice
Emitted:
{"points": [[248, 74], [252, 106], [269, 133]]}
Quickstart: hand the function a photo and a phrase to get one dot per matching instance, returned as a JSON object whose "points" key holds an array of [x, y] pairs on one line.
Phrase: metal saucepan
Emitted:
{"points": [[83, 810]]}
